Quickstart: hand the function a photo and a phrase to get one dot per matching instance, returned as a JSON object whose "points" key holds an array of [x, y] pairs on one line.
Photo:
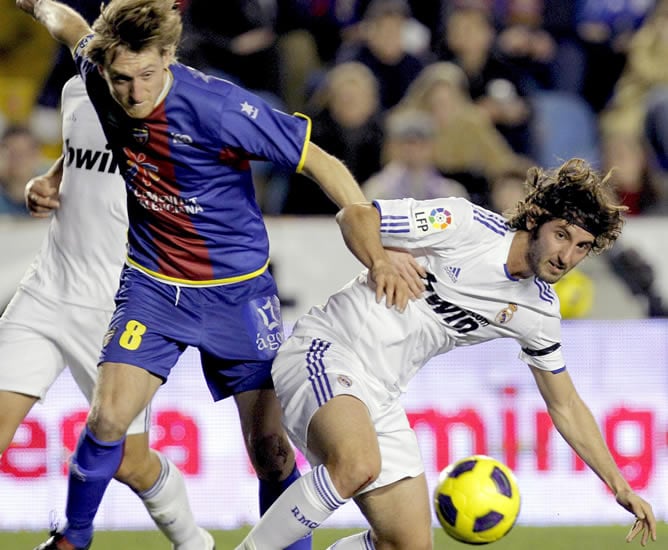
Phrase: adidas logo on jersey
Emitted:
{"points": [[453, 272]]}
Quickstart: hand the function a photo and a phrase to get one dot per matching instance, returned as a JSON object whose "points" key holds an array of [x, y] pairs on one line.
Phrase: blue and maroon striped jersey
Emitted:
{"points": [[193, 215]]}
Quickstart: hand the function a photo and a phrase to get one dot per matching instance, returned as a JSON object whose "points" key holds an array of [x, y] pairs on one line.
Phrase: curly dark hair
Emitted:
{"points": [[135, 25], [574, 192]]}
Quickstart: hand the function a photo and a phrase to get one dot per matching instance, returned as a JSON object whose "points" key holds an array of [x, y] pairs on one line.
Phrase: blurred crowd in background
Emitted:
{"points": [[421, 98]]}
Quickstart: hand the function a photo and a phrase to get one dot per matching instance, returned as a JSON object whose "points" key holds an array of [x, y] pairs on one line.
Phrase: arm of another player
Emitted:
{"points": [[332, 176], [62, 22], [41, 192], [577, 425], [360, 227]]}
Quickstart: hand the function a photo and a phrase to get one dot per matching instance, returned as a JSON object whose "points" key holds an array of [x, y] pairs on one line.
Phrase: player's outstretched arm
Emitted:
{"points": [[332, 176], [62, 22], [577, 425], [41, 192]]}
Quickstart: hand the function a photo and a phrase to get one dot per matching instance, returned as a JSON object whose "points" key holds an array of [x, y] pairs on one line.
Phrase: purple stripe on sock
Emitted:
{"points": [[324, 489]]}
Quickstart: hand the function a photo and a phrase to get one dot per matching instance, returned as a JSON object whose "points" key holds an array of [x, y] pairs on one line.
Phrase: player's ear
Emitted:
{"points": [[533, 215]]}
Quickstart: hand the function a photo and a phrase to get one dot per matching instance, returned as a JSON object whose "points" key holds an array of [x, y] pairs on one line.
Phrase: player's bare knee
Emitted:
{"points": [[104, 424], [273, 457], [351, 476]]}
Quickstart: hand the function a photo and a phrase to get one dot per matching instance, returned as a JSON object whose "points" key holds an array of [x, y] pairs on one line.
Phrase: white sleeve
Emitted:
{"points": [[436, 223], [543, 349]]}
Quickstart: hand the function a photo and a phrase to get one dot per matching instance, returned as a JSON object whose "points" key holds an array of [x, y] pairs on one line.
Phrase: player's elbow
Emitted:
{"points": [[353, 214]]}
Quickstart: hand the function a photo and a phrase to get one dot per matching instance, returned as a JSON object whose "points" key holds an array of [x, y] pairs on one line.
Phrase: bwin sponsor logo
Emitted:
{"points": [[86, 159], [462, 320], [303, 519]]}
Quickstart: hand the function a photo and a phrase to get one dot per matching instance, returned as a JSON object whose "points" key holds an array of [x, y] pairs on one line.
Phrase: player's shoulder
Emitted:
{"points": [[487, 222], [74, 87], [194, 83], [462, 211], [544, 297], [74, 97], [408, 203]]}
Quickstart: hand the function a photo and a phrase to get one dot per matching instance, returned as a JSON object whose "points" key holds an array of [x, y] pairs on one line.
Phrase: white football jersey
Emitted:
{"points": [[82, 255], [470, 296]]}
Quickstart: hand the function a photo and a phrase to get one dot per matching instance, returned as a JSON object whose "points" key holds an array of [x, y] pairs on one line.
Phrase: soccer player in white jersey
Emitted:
{"points": [[61, 310], [341, 373]]}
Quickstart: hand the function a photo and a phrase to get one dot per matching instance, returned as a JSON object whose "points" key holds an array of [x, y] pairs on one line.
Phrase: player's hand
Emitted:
{"points": [[41, 196], [409, 270], [645, 522], [386, 280]]}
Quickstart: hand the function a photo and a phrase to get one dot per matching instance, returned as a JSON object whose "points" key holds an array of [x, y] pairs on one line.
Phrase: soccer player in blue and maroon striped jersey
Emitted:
{"points": [[196, 272]]}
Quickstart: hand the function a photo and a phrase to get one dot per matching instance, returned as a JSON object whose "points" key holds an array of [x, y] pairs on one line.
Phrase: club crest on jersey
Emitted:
{"points": [[440, 218], [344, 380], [141, 135], [506, 314]]}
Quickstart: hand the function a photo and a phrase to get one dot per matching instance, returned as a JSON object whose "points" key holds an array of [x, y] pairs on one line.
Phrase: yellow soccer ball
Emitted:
{"points": [[477, 500]]}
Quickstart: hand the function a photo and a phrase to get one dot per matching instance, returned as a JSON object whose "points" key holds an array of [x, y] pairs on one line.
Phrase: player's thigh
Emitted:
{"points": [[341, 431], [14, 407], [121, 392], [81, 346], [316, 378], [342, 436], [399, 514]]}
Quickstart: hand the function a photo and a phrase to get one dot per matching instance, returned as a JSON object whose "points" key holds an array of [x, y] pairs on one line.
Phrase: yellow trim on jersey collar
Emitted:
{"points": [[187, 282], [307, 140]]}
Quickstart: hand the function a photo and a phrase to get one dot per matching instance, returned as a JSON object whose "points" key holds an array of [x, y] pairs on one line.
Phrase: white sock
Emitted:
{"points": [[167, 503], [303, 506], [360, 541]]}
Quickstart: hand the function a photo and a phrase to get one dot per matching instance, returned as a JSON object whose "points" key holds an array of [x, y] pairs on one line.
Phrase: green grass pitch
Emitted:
{"points": [[520, 538]]}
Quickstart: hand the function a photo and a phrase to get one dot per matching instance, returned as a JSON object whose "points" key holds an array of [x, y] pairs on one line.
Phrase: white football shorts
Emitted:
{"points": [[308, 372], [40, 337]]}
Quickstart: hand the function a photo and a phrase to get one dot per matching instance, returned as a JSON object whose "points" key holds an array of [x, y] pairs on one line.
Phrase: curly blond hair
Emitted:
{"points": [[574, 192], [135, 25]]}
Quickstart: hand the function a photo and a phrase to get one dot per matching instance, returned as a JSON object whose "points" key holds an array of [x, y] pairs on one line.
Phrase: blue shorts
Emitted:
{"points": [[237, 329]]}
